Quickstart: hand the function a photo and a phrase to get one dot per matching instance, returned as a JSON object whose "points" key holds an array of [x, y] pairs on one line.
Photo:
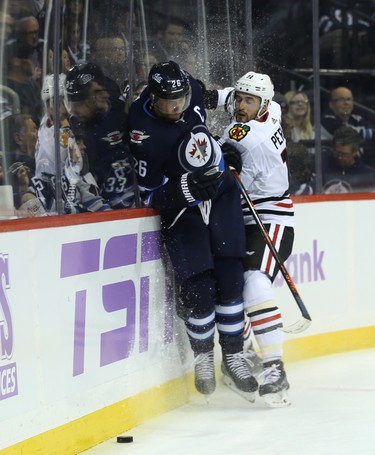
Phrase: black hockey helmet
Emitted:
{"points": [[167, 80], [79, 78]]}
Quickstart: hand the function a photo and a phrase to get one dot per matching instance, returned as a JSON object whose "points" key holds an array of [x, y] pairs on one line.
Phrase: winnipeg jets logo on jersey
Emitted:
{"points": [[199, 148], [239, 131], [136, 136], [114, 137], [196, 150]]}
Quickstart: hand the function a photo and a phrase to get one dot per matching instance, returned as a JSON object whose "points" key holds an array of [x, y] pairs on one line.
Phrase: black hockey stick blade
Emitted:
{"points": [[305, 322]]}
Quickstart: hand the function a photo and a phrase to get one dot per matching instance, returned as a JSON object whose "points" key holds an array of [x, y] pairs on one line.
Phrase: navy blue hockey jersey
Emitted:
{"points": [[165, 150], [105, 137]]}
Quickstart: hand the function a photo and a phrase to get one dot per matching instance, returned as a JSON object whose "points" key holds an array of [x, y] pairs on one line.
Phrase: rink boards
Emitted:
{"points": [[90, 345]]}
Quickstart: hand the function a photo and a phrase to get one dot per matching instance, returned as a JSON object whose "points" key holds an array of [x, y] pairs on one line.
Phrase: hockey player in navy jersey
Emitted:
{"points": [[181, 172], [256, 133], [79, 190], [97, 113]]}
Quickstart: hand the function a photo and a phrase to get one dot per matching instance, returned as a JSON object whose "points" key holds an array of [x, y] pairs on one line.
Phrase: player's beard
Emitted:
{"points": [[242, 117]]}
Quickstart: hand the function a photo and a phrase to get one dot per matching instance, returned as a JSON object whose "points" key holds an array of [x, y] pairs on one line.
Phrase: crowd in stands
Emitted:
{"points": [[92, 177]]}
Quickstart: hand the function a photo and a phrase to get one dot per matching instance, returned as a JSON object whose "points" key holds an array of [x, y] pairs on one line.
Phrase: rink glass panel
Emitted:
{"points": [[217, 41]]}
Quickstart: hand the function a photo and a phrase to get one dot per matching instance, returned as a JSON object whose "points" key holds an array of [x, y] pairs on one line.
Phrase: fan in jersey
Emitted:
{"points": [[97, 112], [256, 133], [181, 172]]}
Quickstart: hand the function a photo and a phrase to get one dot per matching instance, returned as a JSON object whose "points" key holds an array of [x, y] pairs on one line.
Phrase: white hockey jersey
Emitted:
{"points": [[265, 171], [45, 156]]}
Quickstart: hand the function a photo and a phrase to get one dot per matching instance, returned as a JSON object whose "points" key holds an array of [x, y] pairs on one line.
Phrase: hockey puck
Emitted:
{"points": [[124, 438]]}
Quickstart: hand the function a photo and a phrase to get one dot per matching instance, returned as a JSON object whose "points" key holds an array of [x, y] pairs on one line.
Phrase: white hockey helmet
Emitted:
{"points": [[256, 84], [48, 88]]}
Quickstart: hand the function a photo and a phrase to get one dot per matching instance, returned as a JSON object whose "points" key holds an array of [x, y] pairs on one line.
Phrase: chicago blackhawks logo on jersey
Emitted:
{"points": [[238, 131], [196, 150]]}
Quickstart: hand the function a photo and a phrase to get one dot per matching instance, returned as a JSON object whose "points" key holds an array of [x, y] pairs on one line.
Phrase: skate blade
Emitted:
{"points": [[277, 400], [249, 396], [206, 395]]}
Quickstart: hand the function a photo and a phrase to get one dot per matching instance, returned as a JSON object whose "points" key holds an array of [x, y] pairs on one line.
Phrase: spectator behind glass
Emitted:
{"points": [[300, 170], [18, 8], [73, 37], [122, 20], [170, 36], [344, 35], [66, 63], [21, 143], [144, 61], [110, 54], [173, 43], [297, 120], [114, 35], [27, 32], [26, 202], [342, 166], [341, 104], [6, 27], [101, 121], [19, 77]]}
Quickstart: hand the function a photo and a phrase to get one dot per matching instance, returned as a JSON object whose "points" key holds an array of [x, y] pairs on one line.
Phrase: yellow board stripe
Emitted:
{"points": [[92, 429], [329, 343], [104, 424]]}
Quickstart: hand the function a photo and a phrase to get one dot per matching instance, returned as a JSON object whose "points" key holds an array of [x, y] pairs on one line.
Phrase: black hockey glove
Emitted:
{"points": [[201, 185], [231, 155], [210, 97]]}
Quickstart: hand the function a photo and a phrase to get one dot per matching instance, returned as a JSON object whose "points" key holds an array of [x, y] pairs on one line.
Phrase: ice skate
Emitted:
{"points": [[237, 377], [253, 361], [275, 385], [204, 368]]}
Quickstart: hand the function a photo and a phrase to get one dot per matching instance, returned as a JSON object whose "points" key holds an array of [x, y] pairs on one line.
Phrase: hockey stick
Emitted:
{"points": [[305, 321]]}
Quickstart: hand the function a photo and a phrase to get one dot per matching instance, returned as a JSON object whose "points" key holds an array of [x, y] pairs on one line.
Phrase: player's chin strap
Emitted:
{"points": [[205, 208]]}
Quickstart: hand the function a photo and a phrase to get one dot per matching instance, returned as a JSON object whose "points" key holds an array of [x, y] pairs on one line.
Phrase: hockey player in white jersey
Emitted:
{"points": [[257, 134], [79, 189]]}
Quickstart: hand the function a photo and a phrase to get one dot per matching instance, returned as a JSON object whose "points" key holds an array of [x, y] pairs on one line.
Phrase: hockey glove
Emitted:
{"points": [[201, 185], [231, 155], [210, 97]]}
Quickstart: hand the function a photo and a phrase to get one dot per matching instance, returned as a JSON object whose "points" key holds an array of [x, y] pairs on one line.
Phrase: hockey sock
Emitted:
{"points": [[266, 321], [230, 325], [198, 295], [201, 330]]}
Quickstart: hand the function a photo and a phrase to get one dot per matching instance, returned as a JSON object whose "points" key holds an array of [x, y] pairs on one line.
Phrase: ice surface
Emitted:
{"points": [[332, 413]]}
